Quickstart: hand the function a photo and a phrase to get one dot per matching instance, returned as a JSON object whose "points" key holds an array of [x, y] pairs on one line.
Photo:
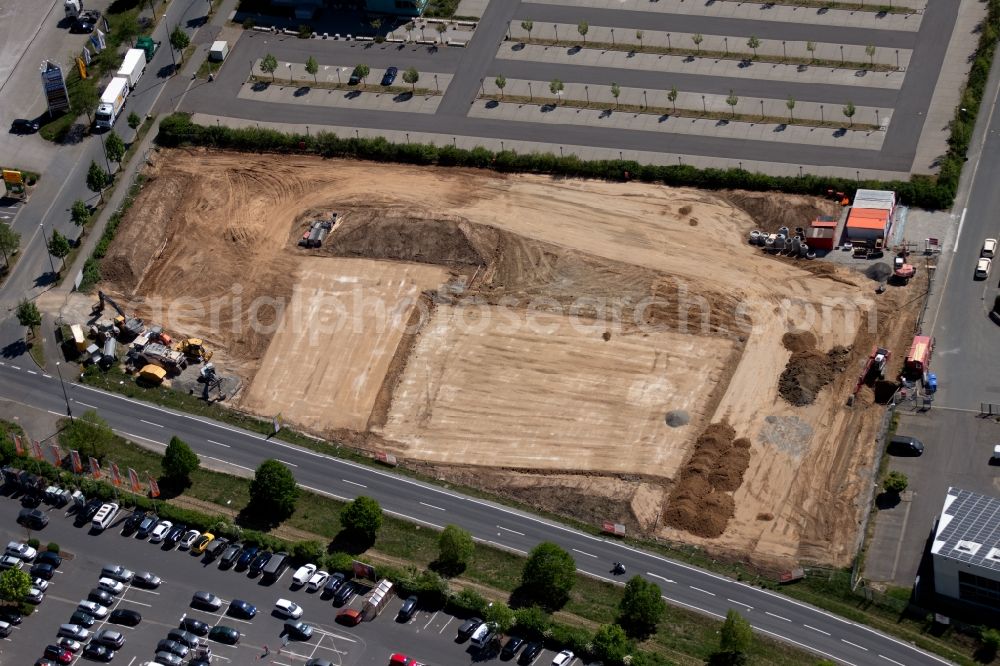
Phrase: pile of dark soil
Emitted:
{"points": [[700, 502], [808, 371], [799, 341], [880, 272]]}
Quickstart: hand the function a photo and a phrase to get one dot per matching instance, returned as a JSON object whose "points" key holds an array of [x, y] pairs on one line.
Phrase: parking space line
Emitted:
{"points": [[137, 603], [431, 619], [445, 626]]}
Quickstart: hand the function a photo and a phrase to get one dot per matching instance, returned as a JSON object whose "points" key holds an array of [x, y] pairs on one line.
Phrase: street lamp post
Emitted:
{"points": [[704, 108], [69, 410], [45, 240], [339, 82], [586, 90], [436, 89], [645, 100], [530, 96]]}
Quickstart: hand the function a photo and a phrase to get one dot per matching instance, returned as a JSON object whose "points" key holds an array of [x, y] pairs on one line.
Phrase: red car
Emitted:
{"points": [[59, 654], [350, 617], [402, 660]]}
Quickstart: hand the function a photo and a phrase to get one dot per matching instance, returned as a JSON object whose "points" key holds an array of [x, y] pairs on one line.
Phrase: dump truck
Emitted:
{"points": [[133, 66], [112, 102], [147, 45], [164, 357]]}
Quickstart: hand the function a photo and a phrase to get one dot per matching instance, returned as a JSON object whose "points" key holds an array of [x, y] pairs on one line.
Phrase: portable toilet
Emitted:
{"points": [[931, 385]]}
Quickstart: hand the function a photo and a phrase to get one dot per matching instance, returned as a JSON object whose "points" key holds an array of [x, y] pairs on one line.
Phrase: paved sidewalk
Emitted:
{"points": [[351, 99], [472, 7], [755, 11], [698, 66]]}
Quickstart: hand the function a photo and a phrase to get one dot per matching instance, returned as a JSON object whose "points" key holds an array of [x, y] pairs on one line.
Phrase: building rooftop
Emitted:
{"points": [[969, 529]]}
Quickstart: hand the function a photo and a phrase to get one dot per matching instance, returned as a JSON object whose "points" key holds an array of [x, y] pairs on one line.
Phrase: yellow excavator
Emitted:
{"points": [[194, 348]]}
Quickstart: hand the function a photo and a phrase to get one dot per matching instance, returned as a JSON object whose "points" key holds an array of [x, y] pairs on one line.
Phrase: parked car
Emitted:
{"points": [[466, 628], [316, 661], [10, 562], [343, 593], [50, 558], [216, 548], [201, 543], [175, 534], [224, 634], [103, 597], [24, 126], [167, 645], [259, 562], [113, 586], [58, 654], [161, 531], [402, 660], [229, 556], [407, 610], [246, 557], [40, 584], [563, 658], [983, 267], [240, 608], [43, 571], [125, 617], [904, 445], [390, 76], [145, 579], [110, 637], [118, 572], [317, 580], [73, 631], [90, 509], [511, 647], [288, 609], [97, 610], [188, 540], [131, 523], [206, 600], [530, 653], [355, 78], [350, 617], [82, 618], [167, 659], [482, 636], [34, 519], [303, 574], [146, 526], [98, 652], [333, 584], [5, 629], [195, 626], [298, 630], [10, 616], [69, 644], [21, 550], [34, 596], [989, 248], [184, 638]]}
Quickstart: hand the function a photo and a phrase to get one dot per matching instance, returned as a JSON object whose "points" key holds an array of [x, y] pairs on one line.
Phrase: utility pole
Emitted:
{"points": [[69, 410]]}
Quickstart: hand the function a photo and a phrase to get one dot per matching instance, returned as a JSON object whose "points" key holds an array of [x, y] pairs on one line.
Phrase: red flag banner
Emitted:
{"points": [[95, 468], [36, 449], [133, 479], [18, 446], [74, 456], [116, 475], [56, 454], [154, 487]]}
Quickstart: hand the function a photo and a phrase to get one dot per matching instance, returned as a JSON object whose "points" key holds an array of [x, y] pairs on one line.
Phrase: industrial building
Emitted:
{"points": [[966, 549], [308, 9], [871, 217]]}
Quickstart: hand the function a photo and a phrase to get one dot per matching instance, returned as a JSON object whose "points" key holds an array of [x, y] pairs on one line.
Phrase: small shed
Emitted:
{"points": [[822, 233], [868, 224], [219, 51]]}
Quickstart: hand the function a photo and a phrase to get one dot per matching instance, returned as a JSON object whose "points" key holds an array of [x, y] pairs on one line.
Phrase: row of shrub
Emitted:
{"points": [[92, 267]]}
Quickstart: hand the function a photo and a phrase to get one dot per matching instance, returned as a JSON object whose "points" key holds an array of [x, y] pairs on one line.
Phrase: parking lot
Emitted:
{"points": [[429, 637]]}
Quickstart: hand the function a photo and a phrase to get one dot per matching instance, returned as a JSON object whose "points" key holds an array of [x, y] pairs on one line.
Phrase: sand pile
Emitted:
{"points": [[879, 272], [799, 341], [808, 371], [700, 502]]}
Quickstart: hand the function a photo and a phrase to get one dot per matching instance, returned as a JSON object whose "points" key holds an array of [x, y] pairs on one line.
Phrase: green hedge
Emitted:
{"points": [[92, 267]]}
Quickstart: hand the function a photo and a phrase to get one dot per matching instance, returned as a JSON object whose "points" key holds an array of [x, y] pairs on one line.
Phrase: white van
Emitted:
{"points": [[989, 248], [105, 515]]}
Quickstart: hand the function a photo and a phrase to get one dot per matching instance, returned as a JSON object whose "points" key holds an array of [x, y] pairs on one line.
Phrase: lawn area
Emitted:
{"points": [[57, 129]]}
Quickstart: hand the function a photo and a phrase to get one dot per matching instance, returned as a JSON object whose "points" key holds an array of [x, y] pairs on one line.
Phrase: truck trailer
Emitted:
{"points": [[133, 66], [112, 102]]}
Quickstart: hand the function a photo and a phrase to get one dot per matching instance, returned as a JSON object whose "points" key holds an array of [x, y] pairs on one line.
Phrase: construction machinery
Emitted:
{"points": [[127, 326], [164, 357], [212, 381], [152, 374], [873, 370], [194, 348]]}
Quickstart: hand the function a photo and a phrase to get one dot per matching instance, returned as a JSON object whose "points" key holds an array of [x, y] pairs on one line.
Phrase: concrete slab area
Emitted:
{"points": [[282, 94]]}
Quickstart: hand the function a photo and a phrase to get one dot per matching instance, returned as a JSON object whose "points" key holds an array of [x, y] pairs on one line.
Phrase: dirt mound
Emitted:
{"points": [[677, 418], [699, 503], [879, 272], [771, 211], [808, 371], [798, 342]]}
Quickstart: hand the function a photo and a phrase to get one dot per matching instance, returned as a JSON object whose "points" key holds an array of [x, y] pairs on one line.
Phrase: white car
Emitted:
{"points": [[111, 585], [188, 539], [35, 596], [303, 575], [69, 644], [288, 609], [40, 583], [563, 658], [318, 580], [989, 248], [983, 267], [21, 550], [93, 608], [160, 531], [11, 562]]}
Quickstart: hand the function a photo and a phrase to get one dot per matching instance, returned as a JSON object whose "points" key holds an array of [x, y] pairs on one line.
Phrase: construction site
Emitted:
{"points": [[614, 352]]}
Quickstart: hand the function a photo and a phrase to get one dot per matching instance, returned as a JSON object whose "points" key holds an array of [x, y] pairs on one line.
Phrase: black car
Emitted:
{"points": [[240, 608], [100, 596], [407, 610], [259, 562], [903, 445], [167, 645], [510, 648], [145, 579], [81, 26], [50, 558], [34, 519], [333, 584], [195, 626], [131, 523], [98, 652], [23, 126], [229, 556], [216, 548], [206, 600], [146, 526], [466, 628], [355, 79], [10, 616], [174, 535], [246, 557], [82, 619], [530, 653], [125, 617], [90, 510], [43, 571], [183, 637], [224, 634], [343, 594], [390, 76]]}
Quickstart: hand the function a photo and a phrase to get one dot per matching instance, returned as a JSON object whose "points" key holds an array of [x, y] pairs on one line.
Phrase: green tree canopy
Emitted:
{"points": [[895, 482], [273, 492], [362, 71], [362, 517], [79, 212], [455, 549], [28, 314], [268, 64], [179, 462], [89, 434], [532, 621], [411, 76], [611, 645], [641, 608], [97, 178], [127, 26], [134, 120], [500, 617], [14, 585], [85, 99], [548, 575], [115, 147], [312, 67], [736, 636], [58, 245], [179, 40], [10, 241]]}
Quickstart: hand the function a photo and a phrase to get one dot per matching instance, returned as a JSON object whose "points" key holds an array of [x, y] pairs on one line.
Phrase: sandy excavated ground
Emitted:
{"points": [[655, 304]]}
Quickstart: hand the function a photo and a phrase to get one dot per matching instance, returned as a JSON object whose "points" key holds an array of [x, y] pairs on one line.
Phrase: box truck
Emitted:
{"points": [[112, 102], [133, 66]]}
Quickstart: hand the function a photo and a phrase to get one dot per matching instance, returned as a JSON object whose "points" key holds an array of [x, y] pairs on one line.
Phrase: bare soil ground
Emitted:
{"points": [[645, 301]]}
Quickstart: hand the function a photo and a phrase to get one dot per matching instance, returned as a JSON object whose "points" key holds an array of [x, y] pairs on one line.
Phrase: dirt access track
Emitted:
{"points": [[567, 343]]}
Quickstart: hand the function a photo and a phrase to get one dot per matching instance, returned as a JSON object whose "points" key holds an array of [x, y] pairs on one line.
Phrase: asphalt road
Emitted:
{"points": [[226, 447]]}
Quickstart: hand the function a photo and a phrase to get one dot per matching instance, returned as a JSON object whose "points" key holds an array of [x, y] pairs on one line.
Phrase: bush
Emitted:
{"points": [[895, 482], [305, 32], [53, 547], [304, 552], [341, 562], [467, 602], [249, 23], [34, 543], [532, 622]]}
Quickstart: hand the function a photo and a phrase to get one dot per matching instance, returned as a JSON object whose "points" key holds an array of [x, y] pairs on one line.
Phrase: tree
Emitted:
{"points": [[441, 29], [79, 213], [736, 636], [556, 87], [811, 48], [115, 147], [268, 64], [638, 35], [411, 76], [88, 432], [849, 112], [528, 25], [753, 43], [532, 621], [28, 314], [312, 67], [641, 607], [697, 38], [178, 462], [273, 492], [128, 26], [790, 103], [97, 179], [10, 241], [895, 482], [732, 100], [362, 72], [501, 82], [672, 96], [455, 548], [583, 28], [548, 575], [499, 616], [59, 246], [85, 100], [615, 92], [990, 639], [362, 517], [870, 51], [179, 41], [409, 27], [610, 645], [376, 24], [14, 585], [134, 120]]}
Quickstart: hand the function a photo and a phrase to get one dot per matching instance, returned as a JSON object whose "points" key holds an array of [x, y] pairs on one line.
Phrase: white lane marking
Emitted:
{"points": [[507, 529], [961, 223], [431, 506], [701, 590], [84, 404], [16, 367], [663, 578], [576, 550], [228, 463], [891, 661], [504, 546], [692, 607], [900, 643], [50, 377], [825, 633], [323, 492], [151, 423], [445, 626], [138, 603], [32, 372], [413, 520], [739, 603], [132, 661], [212, 441], [130, 435], [51, 412], [354, 483], [839, 660], [431, 619], [844, 640], [777, 616], [285, 462]]}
